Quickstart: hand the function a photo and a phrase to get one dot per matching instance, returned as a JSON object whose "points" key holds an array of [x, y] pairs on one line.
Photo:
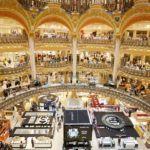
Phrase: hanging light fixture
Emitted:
{"points": [[117, 5]]}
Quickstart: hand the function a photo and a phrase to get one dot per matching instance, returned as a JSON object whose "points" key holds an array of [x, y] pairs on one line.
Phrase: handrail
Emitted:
{"points": [[65, 64], [54, 65], [13, 39], [136, 42], [96, 41], [96, 66], [53, 40], [6, 71], [142, 73], [123, 96]]}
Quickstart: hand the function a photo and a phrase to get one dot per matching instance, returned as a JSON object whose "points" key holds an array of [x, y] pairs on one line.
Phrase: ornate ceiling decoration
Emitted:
{"points": [[113, 6], [79, 6], [34, 6]]}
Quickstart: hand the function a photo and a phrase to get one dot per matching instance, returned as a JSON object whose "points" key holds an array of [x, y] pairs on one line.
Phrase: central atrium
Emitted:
{"points": [[74, 74]]}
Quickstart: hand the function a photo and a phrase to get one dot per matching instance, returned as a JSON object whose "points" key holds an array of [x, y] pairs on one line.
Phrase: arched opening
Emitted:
{"points": [[137, 34], [95, 33], [51, 19], [52, 31], [12, 34], [56, 34], [18, 18], [133, 20]]}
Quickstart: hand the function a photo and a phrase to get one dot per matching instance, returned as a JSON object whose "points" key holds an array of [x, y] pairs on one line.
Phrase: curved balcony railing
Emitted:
{"points": [[96, 41], [65, 64], [142, 73], [13, 39], [53, 40], [96, 66], [54, 65], [136, 42], [123, 96], [7, 71]]}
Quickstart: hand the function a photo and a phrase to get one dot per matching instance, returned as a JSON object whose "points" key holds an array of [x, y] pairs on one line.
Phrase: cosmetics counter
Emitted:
{"points": [[112, 126], [77, 130], [18, 142], [37, 128], [42, 142]]}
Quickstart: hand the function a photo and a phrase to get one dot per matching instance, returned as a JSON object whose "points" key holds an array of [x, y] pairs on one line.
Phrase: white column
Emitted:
{"points": [[131, 57], [126, 35], [143, 59], [134, 34], [116, 59], [147, 34], [74, 56], [32, 56]]}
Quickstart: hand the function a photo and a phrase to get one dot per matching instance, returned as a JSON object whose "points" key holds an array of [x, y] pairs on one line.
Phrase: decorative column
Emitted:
{"points": [[143, 59], [116, 58], [126, 35], [131, 57], [74, 58], [134, 34], [32, 55], [147, 34]]}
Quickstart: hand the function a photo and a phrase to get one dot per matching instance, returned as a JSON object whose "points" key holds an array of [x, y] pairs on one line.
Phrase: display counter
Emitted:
{"points": [[33, 132], [106, 142], [42, 142], [113, 124], [37, 113], [18, 141], [130, 143], [77, 130]]}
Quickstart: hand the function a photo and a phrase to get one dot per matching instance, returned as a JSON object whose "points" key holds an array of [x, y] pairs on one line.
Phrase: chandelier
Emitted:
{"points": [[117, 5]]}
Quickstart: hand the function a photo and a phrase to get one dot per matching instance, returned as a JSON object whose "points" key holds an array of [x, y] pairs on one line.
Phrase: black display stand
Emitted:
{"points": [[77, 130]]}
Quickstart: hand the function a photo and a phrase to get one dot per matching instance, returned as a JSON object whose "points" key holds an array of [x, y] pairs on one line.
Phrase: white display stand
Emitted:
{"points": [[130, 143]]}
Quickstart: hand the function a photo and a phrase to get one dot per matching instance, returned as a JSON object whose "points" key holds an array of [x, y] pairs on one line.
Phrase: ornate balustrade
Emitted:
{"points": [[96, 66], [6, 71], [123, 96], [142, 73], [96, 41], [54, 65], [53, 40], [13, 39], [136, 42], [65, 64]]}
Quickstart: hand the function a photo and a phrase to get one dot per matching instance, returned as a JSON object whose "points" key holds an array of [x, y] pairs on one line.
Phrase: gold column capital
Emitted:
{"points": [[74, 34], [31, 34], [117, 36]]}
